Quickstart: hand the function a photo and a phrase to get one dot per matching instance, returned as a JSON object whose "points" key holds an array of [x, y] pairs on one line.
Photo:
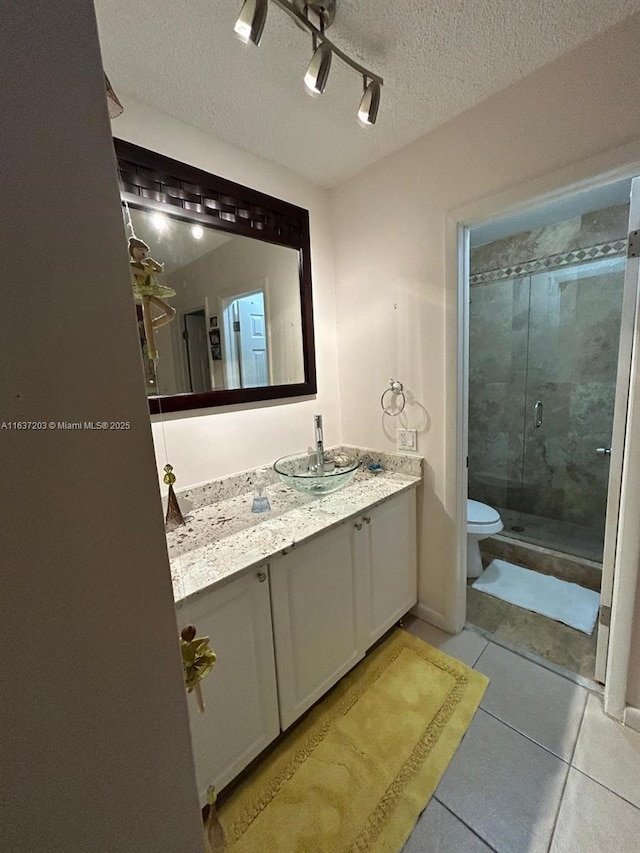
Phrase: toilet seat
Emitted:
{"points": [[482, 520]]}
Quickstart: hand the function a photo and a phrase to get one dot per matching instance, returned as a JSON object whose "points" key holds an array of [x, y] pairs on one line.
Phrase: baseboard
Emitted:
{"points": [[431, 616], [632, 717]]}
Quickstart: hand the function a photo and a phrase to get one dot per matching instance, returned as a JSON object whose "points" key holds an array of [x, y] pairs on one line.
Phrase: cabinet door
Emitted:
{"points": [[317, 601], [240, 695], [391, 545]]}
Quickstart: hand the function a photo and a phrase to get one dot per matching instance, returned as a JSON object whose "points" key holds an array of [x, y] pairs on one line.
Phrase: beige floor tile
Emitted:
{"points": [[438, 831], [609, 752], [503, 786], [546, 638], [543, 706], [466, 646], [485, 611], [593, 820], [551, 640]]}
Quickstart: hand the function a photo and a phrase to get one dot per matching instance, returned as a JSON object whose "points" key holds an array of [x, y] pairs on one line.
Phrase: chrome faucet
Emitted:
{"points": [[317, 421]]}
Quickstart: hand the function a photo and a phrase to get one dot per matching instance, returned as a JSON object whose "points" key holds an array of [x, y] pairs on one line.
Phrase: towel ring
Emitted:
{"points": [[397, 390]]}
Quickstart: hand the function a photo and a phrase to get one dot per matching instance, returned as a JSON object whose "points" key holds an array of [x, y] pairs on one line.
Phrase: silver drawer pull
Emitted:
{"points": [[262, 576], [603, 451], [538, 412]]}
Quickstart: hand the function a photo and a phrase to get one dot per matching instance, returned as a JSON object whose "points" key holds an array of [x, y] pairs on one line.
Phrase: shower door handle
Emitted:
{"points": [[538, 411]]}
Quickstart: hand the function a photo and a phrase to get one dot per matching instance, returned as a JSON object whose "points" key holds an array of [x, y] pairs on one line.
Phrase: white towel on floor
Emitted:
{"points": [[560, 600]]}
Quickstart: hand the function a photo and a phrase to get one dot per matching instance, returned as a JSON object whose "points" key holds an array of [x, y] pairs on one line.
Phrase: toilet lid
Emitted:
{"points": [[479, 513]]}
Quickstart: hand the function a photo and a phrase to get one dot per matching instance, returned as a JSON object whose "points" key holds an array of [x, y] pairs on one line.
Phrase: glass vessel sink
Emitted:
{"points": [[298, 471]]}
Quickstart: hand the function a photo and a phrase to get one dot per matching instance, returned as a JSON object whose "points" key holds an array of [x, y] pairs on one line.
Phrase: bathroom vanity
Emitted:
{"points": [[293, 598], [291, 601]]}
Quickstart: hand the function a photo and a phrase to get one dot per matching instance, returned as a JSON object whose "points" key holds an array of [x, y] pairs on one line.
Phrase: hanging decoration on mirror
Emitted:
{"points": [[113, 102], [198, 659], [148, 290], [174, 514]]}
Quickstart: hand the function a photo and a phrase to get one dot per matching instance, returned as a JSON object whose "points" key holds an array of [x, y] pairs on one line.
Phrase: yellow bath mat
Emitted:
{"points": [[354, 775]]}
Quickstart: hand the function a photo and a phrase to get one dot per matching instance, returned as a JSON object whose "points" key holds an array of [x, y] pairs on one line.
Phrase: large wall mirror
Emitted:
{"points": [[237, 263]]}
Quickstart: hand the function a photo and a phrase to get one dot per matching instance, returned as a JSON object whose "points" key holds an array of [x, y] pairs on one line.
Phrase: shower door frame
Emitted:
{"points": [[597, 172], [620, 436]]}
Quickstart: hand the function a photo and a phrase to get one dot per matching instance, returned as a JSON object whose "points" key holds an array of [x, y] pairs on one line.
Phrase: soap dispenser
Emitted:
{"points": [[260, 499]]}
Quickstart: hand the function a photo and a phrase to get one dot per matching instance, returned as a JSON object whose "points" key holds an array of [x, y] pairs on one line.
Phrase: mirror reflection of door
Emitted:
{"points": [[196, 340], [210, 270], [246, 341]]}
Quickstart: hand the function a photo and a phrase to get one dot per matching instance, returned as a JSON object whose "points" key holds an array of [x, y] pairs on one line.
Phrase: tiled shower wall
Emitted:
{"points": [[535, 338], [604, 232]]}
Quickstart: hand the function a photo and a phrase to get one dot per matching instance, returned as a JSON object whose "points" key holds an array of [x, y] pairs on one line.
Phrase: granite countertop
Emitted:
{"points": [[225, 538]]}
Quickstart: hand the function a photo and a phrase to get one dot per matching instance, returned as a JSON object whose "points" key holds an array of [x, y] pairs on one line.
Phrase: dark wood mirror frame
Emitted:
{"points": [[149, 179]]}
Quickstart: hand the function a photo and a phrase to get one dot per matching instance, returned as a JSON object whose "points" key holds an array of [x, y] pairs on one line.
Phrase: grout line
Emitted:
{"points": [[602, 785], [475, 663], [575, 745], [464, 823], [524, 735], [566, 778], [559, 806], [549, 752]]}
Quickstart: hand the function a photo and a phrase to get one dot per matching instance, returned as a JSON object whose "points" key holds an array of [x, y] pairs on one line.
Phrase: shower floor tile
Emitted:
{"points": [[546, 638], [560, 536]]}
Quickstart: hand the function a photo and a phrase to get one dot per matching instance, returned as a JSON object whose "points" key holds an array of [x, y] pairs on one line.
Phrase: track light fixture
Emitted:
{"points": [[368, 112], [318, 73], [251, 21], [250, 25]]}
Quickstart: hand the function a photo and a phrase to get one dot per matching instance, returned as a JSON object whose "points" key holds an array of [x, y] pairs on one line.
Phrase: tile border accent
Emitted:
{"points": [[610, 249]]}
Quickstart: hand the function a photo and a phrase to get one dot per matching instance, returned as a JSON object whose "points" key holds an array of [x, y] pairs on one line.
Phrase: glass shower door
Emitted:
{"points": [[574, 327], [498, 337]]}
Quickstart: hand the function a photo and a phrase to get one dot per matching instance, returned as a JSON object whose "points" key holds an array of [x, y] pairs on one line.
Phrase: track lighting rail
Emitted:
{"points": [[304, 22], [250, 26]]}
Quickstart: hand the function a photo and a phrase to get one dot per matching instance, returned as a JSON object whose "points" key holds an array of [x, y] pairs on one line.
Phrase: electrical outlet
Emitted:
{"points": [[406, 439]]}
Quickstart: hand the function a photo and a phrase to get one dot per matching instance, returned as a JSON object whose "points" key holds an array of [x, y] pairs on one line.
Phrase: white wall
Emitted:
{"points": [[205, 444], [95, 747], [396, 270], [396, 263], [233, 269], [633, 677]]}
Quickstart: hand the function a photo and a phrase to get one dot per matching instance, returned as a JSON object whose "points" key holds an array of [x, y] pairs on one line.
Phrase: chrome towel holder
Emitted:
{"points": [[396, 389]]}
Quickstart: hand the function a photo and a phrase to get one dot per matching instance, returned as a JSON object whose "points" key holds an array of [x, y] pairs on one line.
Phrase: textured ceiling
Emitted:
{"points": [[437, 57]]}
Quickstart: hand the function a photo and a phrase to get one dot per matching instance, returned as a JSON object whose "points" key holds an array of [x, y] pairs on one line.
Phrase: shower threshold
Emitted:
{"points": [[578, 570]]}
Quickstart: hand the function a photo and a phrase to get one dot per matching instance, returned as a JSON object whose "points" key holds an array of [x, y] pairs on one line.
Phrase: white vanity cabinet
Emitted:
{"points": [[335, 596], [240, 694], [317, 592], [286, 633], [386, 548]]}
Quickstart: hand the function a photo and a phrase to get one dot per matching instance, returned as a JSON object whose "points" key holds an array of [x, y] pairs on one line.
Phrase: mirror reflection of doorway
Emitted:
{"points": [[246, 341], [196, 340]]}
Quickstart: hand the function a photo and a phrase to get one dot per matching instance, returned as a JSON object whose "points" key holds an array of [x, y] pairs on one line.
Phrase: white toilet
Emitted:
{"points": [[482, 521]]}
